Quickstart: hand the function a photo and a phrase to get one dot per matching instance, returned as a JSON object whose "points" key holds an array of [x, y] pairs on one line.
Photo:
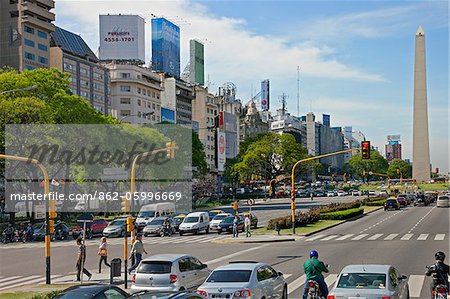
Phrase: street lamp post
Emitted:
{"points": [[28, 88]]}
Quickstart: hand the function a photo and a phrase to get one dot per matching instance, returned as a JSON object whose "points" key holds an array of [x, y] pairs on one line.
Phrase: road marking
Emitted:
{"points": [[421, 219], [298, 283], [226, 257], [390, 237], [345, 237], [439, 237], [315, 238], [286, 276], [406, 237], [16, 282], [8, 278], [359, 237], [39, 280], [374, 237], [330, 279], [415, 285], [422, 237], [329, 238]]}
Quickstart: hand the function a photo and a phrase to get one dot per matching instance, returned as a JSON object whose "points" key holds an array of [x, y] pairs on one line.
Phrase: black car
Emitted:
{"points": [[227, 225], [94, 291], [392, 203], [61, 231], [165, 295]]}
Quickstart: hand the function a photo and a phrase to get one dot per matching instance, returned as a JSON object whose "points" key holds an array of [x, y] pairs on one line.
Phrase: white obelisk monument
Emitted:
{"points": [[421, 146]]}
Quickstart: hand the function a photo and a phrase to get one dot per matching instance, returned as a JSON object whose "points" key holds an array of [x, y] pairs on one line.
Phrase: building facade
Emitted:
{"points": [[251, 124], [166, 47], [25, 33], [135, 93], [90, 80]]}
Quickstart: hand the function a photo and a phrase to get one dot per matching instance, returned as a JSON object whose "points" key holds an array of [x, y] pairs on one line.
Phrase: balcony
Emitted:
{"points": [[37, 10], [49, 3], [38, 23]]}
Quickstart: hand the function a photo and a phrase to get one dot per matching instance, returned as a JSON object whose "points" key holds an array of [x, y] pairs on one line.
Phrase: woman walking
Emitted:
{"points": [[103, 253]]}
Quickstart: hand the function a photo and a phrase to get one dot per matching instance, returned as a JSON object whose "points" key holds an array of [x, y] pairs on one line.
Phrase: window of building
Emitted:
{"points": [[153, 117], [153, 106], [14, 14], [29, 67], [157, 107], [84, 94], [125, 88], [84, 72], [13, 1], [99, 97], [144, 91], [153, 94], [125, 101], [139, 76], [42, 47], [29, 56], [29, 43], [139, 102], [139, 90], [68, 66], [43, 60], [125, 75], [125, 112], [139, 114], [42, 34], [98, 75], [157, 118]]}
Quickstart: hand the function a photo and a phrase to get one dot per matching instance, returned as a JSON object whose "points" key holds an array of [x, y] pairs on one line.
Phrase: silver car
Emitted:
{"points": [[169, 272], [370, 282], [115, 228], [244, 280], [154, 227]]}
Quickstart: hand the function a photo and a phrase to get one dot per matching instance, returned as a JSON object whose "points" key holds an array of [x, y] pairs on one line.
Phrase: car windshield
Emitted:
{"points": [[117, 223], [191, 220], [156, 222], [230, 276], [362, 281], [177, 219], [155, 267], [220, 217], [228, 220], [145, 214]]}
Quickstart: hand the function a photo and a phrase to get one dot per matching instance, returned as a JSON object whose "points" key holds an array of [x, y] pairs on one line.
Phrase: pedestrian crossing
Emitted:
{"points": [[376, 237], [417, 283]]}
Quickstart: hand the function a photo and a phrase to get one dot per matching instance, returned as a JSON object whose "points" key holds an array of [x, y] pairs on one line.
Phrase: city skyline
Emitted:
{"points": [[356, 61]]}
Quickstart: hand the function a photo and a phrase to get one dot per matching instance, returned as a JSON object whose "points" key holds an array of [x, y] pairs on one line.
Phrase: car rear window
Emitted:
{"points": [[443, 197], [230, 276], [154, 267], [362, 281], [391, 201], [191, 220], [219, 217], [228, 220]]}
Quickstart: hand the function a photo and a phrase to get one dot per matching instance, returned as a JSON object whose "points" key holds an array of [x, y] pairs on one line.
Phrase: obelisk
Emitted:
{"points": [[421, 146]]}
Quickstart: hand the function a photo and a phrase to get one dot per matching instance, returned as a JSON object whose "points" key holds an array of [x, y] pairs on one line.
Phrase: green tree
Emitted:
{"points": [[398, 164], [198, 155], [377, 163]]}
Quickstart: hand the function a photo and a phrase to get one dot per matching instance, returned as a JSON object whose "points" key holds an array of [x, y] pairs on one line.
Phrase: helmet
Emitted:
{"points": [[440, 256], [313, 253]]}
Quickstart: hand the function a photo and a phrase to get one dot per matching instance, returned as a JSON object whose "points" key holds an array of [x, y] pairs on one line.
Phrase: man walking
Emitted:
{"points": [[137, 250], [235, 226], [247, 224], [81, 260]]}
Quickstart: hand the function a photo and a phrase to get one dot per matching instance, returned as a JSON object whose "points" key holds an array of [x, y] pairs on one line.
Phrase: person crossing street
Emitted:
{"points": [[137, 250]]}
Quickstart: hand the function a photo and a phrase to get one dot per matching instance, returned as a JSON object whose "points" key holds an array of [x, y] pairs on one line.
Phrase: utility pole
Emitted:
{"points": [[298, 90]]}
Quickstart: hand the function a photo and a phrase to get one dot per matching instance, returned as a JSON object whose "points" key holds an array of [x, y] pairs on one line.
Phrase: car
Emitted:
{"points": [[372, 193], [383, 192], [302, 193], [195, 223], [115, 228], [330, 194], [253, 219], [421, 199], [177, 220], [356, 193], [213, 213], [244, 280], [94, 291], [411, 198], [391, 203], [154, 227], [341, 193], [169, 272], [443, 201], [148, 212], [227, 225], [320, 193], [370, 282], [402, 200], [93, 228], [61, 231], [165, 295], [214, 223]]}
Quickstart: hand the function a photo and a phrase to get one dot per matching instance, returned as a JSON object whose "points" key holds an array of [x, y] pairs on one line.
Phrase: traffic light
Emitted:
{"points": [[365, 150], [364, 172], [51, 224], [125, 204], [52, 209], [170, 149], [130, 224]]}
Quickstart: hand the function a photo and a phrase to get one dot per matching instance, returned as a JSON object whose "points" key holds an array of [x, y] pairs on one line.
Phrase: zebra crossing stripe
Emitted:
{"points": [[17, 282], [207, 239], [329, 238], [298, 283], [439, 237], [286, 276], [359, 237], [406, 237], [315, 238], [8, 278], [422, 237], [415, 283], [345, 237], [330, 279], [374, 237], [390, 237]]}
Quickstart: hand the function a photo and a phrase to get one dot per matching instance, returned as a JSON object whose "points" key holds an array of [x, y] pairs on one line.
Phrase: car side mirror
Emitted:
{"points": [[204, 266], [403, 277], [280, 274]]}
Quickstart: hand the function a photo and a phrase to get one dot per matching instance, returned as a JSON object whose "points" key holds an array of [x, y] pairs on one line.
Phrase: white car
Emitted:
{"points": [[214, 224], [330, 194], [194, 223], [244, 280], [356, 193], [443, 201], [342, 193]]}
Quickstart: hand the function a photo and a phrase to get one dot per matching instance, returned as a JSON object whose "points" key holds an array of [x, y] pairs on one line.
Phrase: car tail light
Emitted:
{"points": [[311, 284], [242, 293], [133, 280], [330, 297], [441, 290], [386, 297], [202, 293], [173, 278]]}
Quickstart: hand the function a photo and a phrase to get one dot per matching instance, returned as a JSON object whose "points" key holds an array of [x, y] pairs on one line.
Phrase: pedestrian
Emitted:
{"points": [[235, 226], [247, 224], [103, 253], [137, 250], [81, 260]]}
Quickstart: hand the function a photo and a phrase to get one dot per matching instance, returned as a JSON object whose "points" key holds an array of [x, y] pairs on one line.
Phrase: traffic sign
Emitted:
{"points": [[250, 202]]}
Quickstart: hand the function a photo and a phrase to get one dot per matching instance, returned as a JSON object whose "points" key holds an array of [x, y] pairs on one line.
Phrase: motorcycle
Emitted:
{"points": [[166, 231], [440, 292], [313, 290], [8, 237]]}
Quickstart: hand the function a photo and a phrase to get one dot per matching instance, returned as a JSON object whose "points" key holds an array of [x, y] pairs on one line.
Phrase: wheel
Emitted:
{"points": [[121, 234], [197, 231], [285, 294], [207, 230], [219, 231], [255, 227], [407, 293], [181, 233]]}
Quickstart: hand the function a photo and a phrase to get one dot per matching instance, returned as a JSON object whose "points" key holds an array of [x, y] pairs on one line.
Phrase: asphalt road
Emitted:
{"points": [[407, 239]]}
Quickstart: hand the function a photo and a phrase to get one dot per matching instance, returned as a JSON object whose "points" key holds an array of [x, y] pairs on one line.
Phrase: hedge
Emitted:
{"points": [[301, 219], [342, 215], [335, 207], [376, 203]]}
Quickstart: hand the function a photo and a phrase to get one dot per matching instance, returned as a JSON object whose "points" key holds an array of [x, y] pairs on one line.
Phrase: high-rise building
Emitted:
{"points": [[196, 62], [69, 53], [25, 28], [178, 95], [393, 147], [166, 47]]}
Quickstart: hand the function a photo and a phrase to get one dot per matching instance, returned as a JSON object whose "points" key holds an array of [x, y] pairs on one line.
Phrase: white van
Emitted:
{"points": [[149, 212], [195, 223]]}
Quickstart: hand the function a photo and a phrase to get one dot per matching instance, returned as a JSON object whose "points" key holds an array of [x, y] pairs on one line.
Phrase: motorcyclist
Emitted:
{"points": [[9, 232], [313, 269], [166, 226], [439, 272], [30, 232]]}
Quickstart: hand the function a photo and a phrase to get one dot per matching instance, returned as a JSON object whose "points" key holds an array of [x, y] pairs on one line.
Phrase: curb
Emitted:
{"points": [[253, 241]]}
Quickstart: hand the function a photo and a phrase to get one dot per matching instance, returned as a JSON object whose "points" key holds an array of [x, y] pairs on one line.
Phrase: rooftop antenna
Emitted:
{"points": [[298, 90], [283, 98]]}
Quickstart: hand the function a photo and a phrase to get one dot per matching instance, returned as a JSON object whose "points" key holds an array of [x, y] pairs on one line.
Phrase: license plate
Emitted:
{"points": [[356, 297]]}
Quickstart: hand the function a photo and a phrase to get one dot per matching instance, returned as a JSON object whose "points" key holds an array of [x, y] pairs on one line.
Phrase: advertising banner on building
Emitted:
{"points": [[122, 37], [197, 63], [166, 47], [393, 138], [221, 150], [326, 120], [167, 115], [265, 95]]}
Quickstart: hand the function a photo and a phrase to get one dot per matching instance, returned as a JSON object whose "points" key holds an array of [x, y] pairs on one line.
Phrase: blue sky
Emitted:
{"points": [[356, 57]]}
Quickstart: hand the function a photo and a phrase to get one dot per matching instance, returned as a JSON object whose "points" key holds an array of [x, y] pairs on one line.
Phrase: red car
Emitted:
{"points": [[95, 228], [402, 201]]}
